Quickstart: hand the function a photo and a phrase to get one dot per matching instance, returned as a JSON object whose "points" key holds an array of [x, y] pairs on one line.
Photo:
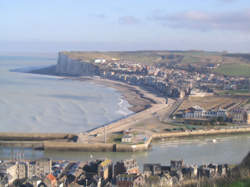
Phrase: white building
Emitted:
{"points": [[100, 60], [196, 112]]}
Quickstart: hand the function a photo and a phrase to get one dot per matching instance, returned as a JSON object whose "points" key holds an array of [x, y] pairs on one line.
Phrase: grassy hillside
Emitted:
{"points": [[235, 69], [149, 57]]}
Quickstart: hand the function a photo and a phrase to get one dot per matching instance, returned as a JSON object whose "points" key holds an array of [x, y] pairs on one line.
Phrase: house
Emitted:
{"points": [[11, 171], [105, 169], [204, 171], [21, 170], [100, 60], [40, 168], [164, 180], [152, 169], [222, 169], [248, 117], [129, 166], [130, 180], [50, 180], [238, 115], [194, 112], [190, 172], [127, 138], [216, 113], [176, 164]]}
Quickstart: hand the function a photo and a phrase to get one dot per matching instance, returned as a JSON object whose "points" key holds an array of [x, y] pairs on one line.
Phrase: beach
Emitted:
{"points": [[138, 98]]}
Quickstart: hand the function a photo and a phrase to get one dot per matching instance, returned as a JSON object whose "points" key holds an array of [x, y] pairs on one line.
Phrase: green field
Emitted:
{"points": [[240, 183], [234, 69], [151, 57], [234, 92]]}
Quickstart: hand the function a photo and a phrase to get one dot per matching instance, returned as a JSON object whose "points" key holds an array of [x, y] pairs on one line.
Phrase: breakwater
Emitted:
{"points": [[23, 144], [7, 136], [202, 132], [95, 147]]}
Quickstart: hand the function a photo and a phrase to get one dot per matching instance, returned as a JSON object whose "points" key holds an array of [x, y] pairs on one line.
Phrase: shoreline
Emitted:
{"points": [[138, 98]]}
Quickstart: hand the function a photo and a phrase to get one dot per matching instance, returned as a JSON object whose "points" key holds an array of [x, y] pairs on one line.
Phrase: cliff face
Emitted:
{"points": [[73, 67]]}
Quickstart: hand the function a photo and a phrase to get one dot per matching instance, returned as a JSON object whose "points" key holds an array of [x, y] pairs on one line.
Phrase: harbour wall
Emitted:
{"points": [[22, 144], [201, 133], [7, 136], [56, 145], [96, 147]]}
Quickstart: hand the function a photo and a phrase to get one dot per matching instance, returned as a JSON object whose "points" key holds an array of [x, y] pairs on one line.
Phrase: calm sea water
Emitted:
{"points": [[40, 103]]}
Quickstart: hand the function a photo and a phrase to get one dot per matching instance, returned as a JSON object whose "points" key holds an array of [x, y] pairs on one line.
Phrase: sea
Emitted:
{"points": [[41, 103]]}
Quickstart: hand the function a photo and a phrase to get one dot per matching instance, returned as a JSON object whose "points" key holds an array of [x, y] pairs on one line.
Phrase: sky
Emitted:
{"points": [[55, 25]]}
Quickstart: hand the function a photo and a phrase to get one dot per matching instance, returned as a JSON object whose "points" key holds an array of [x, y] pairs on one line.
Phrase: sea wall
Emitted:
{"points": [[74, 67], [22, 144], [95, 147], [68, 146], [6, 136], [201, 133]]}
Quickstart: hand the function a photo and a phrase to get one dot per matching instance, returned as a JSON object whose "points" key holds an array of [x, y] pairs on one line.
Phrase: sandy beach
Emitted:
{"points": [[138, 98]]}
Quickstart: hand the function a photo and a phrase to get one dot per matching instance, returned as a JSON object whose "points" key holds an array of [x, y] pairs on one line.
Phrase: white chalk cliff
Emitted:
{"points": [[68, 66]]}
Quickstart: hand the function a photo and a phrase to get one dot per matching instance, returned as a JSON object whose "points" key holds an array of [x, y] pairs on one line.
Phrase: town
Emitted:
{"points": [[170, 79], [103, 172]]}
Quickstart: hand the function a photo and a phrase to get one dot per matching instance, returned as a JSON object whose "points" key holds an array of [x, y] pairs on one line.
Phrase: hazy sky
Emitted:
{"points": [[52, 25]]}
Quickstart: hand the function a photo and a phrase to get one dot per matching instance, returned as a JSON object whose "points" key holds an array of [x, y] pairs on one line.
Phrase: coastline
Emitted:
{"points": [[138, 98], [144, 104], [135, 96]]}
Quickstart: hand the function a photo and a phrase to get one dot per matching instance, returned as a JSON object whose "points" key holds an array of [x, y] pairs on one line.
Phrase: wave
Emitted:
{"points": [[123, 108]]}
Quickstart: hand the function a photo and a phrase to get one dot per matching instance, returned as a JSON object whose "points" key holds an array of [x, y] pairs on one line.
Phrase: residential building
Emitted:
{"points": [[238, 115], [129, 166], [248, 117], [39, 168], [105, 169], [130, 180], [152, 169], [127, 138]]}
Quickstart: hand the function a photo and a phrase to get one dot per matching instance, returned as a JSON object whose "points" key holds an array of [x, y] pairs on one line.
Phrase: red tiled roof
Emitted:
{"points": [[51, 177]]}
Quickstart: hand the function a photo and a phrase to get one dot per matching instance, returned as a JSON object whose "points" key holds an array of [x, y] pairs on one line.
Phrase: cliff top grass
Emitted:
{"points": [[149, 57], [234, 69], [230, 64]]}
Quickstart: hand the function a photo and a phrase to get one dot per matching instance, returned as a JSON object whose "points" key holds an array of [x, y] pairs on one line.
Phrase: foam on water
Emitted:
{"points": [[123, 107], [40, 103]]}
